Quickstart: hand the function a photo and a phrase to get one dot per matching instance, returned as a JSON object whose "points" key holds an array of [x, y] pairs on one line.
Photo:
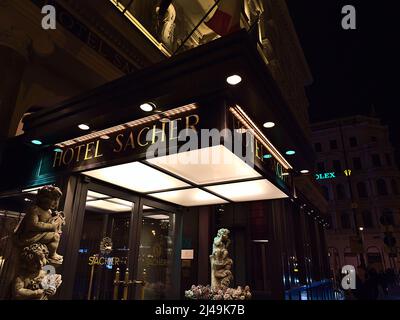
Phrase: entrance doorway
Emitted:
{"points": [[128, 247]]}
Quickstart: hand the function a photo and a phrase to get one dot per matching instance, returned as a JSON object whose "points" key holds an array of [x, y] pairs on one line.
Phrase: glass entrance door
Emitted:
{"points": [[158, 258], [129, 247], [104, 251]]}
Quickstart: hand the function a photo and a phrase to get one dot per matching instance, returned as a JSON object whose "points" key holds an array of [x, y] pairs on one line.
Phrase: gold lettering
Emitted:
{"points": [[162, 131], [89, 149], [257, 150], [139, 135], [101, 260], [193, 125], [91, 261], [96, 152], [55, 158], [130, 142], [116, 261], [173, 129], [119, 142], [79, 152], [65, 156]]}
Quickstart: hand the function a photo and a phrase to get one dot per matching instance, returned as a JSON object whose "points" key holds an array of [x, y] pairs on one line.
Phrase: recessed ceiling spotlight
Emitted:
{"points": [[305, 171], [234, 79], [57, 150], [267, 156], [83, 126], [269, 125], [36, 142], [147, 106], [290, 152]]}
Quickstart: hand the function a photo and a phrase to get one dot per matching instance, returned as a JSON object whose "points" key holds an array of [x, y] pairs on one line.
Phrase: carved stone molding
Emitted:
{"points": [[16, 39], [108, 32]]}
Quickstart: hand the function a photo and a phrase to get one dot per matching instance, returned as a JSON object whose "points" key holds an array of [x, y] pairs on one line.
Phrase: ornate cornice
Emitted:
{"points": [[108, 32]]}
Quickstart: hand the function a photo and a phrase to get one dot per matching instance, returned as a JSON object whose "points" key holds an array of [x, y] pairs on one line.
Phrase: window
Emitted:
{"points": [[388, 159], [333, 144], [353, 142], [357, 164], [337, 166], [340, 192], [367, 219], [318, 147], [362, 190], [395, 189], [320, 167], [376, 160], [381, 187], [387, 218], [325, 192], [345, 220]]}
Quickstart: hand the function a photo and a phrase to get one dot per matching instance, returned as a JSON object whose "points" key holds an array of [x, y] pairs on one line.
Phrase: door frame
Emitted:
{"points": [[75, 200]]}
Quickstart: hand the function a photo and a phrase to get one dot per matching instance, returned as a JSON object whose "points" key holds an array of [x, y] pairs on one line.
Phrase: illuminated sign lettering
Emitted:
{"points": [[325, 176]]}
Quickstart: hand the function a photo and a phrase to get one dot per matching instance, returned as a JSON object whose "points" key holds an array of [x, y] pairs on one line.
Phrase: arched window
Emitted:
{"points": [[381, 187], [345, 220], [362, 190], [395, 189], [340, 192], [325, 192], [367, 219]]}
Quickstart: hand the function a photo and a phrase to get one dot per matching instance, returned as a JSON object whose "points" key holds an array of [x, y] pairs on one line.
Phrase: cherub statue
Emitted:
{"points": [[32, 282], [221, 264], [42, 223]]}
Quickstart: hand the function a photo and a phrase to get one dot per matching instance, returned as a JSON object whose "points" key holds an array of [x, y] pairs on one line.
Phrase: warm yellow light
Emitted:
{"points": [[113, 205], [136, 176], [206, 165], [248, 191], [189, 197]]}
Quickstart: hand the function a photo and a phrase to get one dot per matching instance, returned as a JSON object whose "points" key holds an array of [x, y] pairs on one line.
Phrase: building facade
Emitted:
{"points": [[358, 173], [103, 60]]}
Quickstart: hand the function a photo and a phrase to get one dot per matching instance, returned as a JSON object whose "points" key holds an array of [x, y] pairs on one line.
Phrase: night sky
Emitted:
{"points": [[352, 69]]}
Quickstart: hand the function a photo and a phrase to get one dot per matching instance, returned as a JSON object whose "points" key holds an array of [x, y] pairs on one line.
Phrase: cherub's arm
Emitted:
{"points": [[23, 293], [33, 223]]}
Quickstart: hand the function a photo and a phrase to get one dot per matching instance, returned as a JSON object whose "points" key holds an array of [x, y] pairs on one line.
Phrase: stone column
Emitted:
{"points": [[14, 53]]}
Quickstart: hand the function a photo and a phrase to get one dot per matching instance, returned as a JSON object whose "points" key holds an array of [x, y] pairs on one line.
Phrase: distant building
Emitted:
{"points": [[357, 171]]}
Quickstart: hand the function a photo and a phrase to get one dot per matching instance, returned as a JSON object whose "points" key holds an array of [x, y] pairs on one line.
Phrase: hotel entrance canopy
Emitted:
{"points": [[189, 90]]}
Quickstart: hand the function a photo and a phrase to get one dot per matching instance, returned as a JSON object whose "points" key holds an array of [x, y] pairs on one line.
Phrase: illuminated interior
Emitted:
{"points": [[198, 177], [98, 201]]}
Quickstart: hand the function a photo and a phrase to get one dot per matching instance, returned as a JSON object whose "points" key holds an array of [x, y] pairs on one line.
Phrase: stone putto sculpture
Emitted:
{"points": [[221, 275], [221, 264], [32, 282], [42, 223]]}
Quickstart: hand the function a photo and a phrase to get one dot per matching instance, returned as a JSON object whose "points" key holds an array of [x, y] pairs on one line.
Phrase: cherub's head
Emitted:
{"points": [[34, 257], [223, 233], [48, 197]]}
